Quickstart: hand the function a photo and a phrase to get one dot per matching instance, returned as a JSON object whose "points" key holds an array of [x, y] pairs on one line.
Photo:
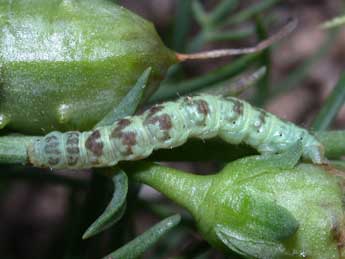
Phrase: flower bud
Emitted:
{"points": [[262, 206]]}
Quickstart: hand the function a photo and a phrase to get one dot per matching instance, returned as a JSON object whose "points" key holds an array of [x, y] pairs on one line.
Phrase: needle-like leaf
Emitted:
{"points": [[130, 102], [142, 243], [115, 208], [331, 107]]}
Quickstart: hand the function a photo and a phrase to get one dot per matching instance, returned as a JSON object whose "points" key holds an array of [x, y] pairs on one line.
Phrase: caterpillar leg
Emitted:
{"points": [[316, 154]]}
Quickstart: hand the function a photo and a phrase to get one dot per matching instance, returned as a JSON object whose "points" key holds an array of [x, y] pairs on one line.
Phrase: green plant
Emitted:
{"points": [[266, 225]]}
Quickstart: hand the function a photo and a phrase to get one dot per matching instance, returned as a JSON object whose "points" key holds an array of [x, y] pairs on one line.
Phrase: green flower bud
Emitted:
{"points": [[66, 64], [262, 207]]}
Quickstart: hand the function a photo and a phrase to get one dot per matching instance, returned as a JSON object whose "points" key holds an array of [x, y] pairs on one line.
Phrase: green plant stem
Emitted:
{"points": [[333, 141], [176, 184], [13, 149]]}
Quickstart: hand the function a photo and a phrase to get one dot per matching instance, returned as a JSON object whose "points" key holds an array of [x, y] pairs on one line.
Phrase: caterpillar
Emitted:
{"points": [[169, 125]]}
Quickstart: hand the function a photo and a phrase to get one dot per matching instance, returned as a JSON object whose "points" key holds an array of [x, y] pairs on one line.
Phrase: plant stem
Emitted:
{"points": [[13, 149], [176, 185], [333, 141]]}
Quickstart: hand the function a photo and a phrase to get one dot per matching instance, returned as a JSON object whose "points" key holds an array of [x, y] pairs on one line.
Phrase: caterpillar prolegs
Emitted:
{"points": [[169, 125]]}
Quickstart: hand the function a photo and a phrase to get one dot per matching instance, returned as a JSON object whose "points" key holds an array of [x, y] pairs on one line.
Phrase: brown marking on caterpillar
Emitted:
{"points": [[93, 145], [72, 148], [72, 138], [188, 100], [262, 117], [203, 107], [155, 109], [51, 138], [129, 139], [121, 124], [238, 107], [164, 122], [72, 160], [51, 146], [52, 161], [51, 149], [262, 120]]}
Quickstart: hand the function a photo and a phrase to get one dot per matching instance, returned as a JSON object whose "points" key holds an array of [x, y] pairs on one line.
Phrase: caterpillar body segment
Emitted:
{"points": [[169, 125]]}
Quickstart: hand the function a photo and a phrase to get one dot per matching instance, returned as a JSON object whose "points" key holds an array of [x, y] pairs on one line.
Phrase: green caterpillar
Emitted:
{"points": [[169, 125]]}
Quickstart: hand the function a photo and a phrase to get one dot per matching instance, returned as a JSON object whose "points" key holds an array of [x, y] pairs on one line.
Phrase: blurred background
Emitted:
{"points": [[44, 217]]}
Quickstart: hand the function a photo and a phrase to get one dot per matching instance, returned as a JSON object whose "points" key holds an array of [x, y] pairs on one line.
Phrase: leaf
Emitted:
{"points": [[272, 221], [229, 35], [251, 11], [248, 246], [182, 24], [333, 142], [115, 208], [222, 10], [172, 90], [263, 86], [199, 13], [337, 21], [331, 107], [129, 103], [266, 162], [238, 85], [140, 244]]}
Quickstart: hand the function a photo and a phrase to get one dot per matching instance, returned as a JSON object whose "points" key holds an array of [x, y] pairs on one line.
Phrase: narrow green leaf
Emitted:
{"points": [[331, 107], [130, 102], [263, 86], [337, 21], [228, 35], [225, 72], [142, 243], [199, 13], [222, 10], [115, 208], [248, 246], [182, 24], [251, 11], [237, 86]]}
